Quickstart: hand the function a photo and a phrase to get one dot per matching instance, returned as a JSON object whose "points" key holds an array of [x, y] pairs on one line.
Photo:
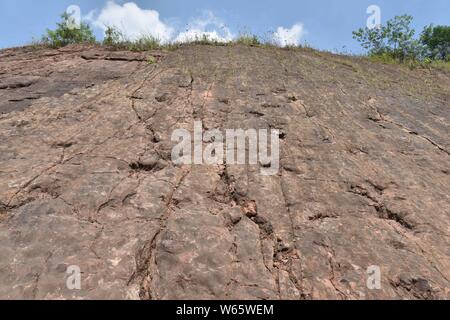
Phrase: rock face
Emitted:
{"points": [[86, 177]]}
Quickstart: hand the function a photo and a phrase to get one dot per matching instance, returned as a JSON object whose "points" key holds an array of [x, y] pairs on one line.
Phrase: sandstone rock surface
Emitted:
{"points": [[86, 177]]}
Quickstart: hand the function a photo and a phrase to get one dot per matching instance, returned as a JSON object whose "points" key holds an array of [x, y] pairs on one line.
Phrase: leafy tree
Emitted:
{"points": [[437, 41], [400, 37], [372, 40], [396, 39], [63, 35]]}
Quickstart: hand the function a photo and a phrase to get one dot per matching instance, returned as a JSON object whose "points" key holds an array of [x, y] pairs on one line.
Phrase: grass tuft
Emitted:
{"points": [[151, 60], [411, 63], [440, 65]]}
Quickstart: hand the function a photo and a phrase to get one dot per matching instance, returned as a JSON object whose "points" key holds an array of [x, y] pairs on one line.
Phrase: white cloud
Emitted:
{"points": [[133, 21], [289, 37], [208, 26]]}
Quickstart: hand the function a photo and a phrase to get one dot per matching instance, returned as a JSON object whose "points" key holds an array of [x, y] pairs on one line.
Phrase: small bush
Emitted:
{"points": [[113, 36], [151, 60], [63, 35], [247, 40]]}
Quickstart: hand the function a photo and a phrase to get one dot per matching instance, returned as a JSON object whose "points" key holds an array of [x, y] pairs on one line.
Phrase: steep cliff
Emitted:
{"points": [[86, 177]]}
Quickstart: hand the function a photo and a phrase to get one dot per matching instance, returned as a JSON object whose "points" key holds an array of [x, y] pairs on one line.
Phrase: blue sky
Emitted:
{"points": [[324, 24]]}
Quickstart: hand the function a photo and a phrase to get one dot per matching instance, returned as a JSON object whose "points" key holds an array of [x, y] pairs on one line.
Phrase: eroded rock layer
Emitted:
{"points": [[86, 177]]}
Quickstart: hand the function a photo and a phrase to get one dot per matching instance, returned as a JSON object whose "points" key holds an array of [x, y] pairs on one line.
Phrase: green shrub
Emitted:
{"points": [[63, 35]]}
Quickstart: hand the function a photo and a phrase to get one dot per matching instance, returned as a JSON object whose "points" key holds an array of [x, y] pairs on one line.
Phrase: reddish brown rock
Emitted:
{"points": [[86, 178]]}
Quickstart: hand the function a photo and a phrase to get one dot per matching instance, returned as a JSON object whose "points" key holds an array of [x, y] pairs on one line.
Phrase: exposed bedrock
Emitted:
{"points": [[86, 177]]}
